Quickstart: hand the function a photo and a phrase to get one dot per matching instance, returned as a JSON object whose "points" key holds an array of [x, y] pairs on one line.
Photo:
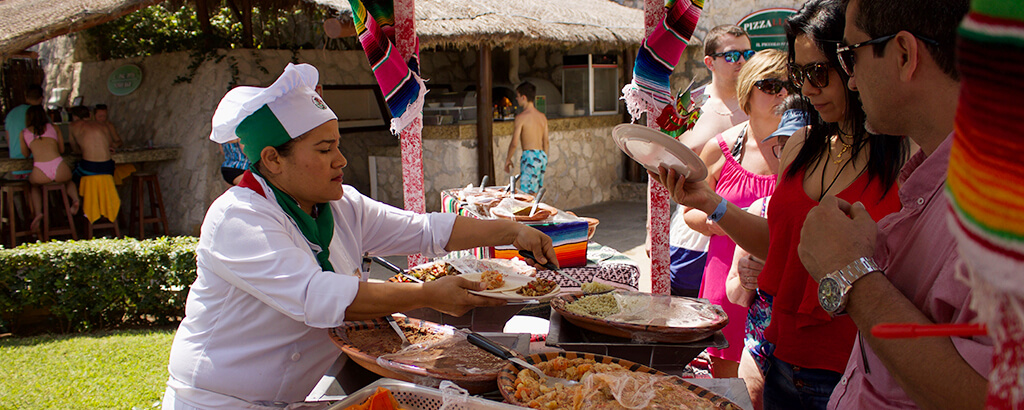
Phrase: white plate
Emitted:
{"points": [[512, 282], [652, 148]]}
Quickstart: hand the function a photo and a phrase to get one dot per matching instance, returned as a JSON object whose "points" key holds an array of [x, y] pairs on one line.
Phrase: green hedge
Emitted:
{"points": [[99, 283]]}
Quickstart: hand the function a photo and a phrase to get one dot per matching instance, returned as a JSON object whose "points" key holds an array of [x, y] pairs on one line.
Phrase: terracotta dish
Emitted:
{"points": [[649, 325], [693, 393], [365, 341]]}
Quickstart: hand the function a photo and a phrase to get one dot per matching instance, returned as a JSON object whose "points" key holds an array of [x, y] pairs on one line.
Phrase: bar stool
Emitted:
{"points": [[157, 215], [47, 229], [8, 191]]}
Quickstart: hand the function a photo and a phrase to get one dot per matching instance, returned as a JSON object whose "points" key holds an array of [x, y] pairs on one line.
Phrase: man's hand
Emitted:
{"points": [[508, 166], [834, 234], [694, 194], [533, 240]]}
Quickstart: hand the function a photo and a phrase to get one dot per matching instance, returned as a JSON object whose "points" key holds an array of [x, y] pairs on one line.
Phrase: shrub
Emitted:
{"points": [[99, 283]]}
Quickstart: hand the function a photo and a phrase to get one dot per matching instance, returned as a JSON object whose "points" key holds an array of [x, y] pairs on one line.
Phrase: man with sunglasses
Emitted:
{"points": [[726, 49], [900, 57]]}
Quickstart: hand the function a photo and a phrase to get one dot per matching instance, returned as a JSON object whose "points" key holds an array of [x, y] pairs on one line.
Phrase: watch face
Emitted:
{"points": [[830, 294]]}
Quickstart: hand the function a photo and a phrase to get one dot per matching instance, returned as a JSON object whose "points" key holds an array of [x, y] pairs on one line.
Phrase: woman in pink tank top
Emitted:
{"points": [[741, 169]]}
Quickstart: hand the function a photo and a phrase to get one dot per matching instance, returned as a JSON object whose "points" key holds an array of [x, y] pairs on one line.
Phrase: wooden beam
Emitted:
{"points": [[247, 38], [484, 115], [203, 15]]}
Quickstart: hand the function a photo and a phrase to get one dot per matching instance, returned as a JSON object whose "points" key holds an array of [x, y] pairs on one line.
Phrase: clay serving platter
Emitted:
{"points": [[507, 377], [708, 319], [473, 381]]}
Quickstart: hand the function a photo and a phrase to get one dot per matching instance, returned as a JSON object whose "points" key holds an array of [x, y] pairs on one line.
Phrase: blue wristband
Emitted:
{"points": [[719, 211]]}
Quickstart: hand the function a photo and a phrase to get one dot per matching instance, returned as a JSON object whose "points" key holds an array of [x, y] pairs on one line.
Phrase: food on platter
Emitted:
{"points": [[382, 399], [642, 317], [433, 271], [538, 287], [594, 305], [595, 287], [606, 386], [434, 352], [492, 279]]}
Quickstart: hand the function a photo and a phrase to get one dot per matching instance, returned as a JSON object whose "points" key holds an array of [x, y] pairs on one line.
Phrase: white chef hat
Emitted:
{"points": [[271, 116]]}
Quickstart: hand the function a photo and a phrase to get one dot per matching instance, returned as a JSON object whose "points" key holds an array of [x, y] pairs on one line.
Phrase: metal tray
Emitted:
{"points": [[667, 357], [414, 397]]}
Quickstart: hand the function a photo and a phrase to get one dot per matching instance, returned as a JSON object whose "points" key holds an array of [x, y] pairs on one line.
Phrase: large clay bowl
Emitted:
{"points": [[642, 332]]}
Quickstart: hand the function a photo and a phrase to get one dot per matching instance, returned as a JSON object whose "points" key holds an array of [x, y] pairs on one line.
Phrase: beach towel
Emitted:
{"points": [[99, 197], [985, 184], [658, 56], [397, 75]]}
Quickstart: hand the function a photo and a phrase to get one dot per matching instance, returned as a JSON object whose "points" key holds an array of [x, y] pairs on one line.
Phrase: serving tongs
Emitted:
{"points": [[398, 329], [536, 201], [914, 330], [550, 266], [394, 268], [501, 351], [512, 179]]}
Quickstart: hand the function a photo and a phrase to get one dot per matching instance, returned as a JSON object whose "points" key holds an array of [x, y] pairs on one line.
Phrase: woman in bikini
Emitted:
{"points": [[45, 143]]}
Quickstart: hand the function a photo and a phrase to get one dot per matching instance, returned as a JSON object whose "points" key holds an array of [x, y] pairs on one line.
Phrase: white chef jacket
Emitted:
{"points": [[256, 318]]}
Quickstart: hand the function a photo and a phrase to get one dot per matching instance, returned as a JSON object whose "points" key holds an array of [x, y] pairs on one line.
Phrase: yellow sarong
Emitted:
{"points": [[99, 197]]}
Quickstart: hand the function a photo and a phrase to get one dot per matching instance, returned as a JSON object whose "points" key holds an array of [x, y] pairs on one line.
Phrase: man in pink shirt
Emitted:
{"points": [[900, 57]]}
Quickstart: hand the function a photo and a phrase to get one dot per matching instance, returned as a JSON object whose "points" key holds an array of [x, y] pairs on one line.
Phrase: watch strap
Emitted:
{"points": [[857, 269]]}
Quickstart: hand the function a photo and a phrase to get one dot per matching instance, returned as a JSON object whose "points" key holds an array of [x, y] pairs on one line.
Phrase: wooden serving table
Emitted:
{"points": [[132, 155]]}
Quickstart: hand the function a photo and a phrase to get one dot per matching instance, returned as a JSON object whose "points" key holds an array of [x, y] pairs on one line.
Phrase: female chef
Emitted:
{"points": [[278, 256]]}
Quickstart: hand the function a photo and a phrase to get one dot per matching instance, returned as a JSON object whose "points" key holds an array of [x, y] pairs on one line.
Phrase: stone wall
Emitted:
{"points": [[162, 112], [584, 165]]}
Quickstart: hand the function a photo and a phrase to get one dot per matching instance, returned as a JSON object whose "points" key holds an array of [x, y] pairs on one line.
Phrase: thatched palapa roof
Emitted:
{"points": [[24, 23], [458, 23], [508, 23]]}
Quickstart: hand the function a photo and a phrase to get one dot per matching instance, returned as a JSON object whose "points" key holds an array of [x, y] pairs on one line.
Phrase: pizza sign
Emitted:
{"points": [[766, 28]]}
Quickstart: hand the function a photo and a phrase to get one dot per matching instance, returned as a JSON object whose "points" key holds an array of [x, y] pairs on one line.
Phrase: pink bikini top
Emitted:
{"points": [[48, 133]]}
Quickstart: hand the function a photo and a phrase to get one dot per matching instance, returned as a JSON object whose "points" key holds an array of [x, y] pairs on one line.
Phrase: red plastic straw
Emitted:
{"points": [[912, 330]]}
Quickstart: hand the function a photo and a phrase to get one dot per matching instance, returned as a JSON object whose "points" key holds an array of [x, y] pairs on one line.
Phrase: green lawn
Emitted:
{"points": [[123, 370]]}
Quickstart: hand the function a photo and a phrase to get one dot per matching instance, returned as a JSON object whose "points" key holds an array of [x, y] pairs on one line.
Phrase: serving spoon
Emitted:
{"points": [[394, 325], [500, 351]]}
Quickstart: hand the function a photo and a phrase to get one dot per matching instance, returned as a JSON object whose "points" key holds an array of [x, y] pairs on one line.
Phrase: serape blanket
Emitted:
{"points": [[397, 75], [658, 56], [985, 183]]}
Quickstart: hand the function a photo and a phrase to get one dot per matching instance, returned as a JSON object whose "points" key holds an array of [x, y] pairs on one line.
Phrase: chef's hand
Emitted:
{"points": [[694, 194], [450, 294], [834, 234], [749, 268], [535, 241]]}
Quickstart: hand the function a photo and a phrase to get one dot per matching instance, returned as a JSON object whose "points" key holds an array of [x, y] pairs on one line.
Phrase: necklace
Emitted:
{"points": [[726, 114], [834, 179], [846, 147]]}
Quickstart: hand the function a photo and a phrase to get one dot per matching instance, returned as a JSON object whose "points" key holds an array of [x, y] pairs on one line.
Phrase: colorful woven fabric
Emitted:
{"points": [[986, 183], [649, 90], [397, 75]]}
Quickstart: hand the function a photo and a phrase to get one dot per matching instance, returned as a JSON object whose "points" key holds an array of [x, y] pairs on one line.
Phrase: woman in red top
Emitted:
{"points": [[833, 155]]}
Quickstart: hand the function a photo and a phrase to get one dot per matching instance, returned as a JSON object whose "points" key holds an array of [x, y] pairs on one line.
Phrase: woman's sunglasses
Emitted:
{"points": [[815, 73], [734, 55], [773, 86]]}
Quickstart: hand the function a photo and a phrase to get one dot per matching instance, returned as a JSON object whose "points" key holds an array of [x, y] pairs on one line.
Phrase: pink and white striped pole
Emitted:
{"points": [[411, 138], [658, 204]]}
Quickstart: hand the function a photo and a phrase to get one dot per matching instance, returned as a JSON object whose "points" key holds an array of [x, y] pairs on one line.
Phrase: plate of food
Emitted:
{"points": [[497, 282], [653, 148], [447, 267], [604, 382], [438, 352], [642, 316], [538, 289]]}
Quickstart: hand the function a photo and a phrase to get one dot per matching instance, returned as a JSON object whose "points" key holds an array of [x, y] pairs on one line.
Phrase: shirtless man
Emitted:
{"points": [[101, 117], [531, 128], [93, 140], [722, 109]]}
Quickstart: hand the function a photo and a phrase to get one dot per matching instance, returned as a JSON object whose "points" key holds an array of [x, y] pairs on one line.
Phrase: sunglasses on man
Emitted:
{"points": [[847, 56], [814, 73], [773, 86], [734, 55]]}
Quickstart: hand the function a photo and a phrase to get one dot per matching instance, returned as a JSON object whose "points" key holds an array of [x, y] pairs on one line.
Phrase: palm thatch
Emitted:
{"points": [[507, 23], [24, 23]]}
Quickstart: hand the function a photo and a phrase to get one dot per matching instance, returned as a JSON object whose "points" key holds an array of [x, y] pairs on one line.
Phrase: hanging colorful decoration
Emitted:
{"points": [[675, 119], [397, 75], [985, 184], [650, 88]]}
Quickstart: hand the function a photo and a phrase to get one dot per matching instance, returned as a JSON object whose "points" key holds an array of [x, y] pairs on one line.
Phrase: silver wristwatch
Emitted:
{"points": [[834, 288]]}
